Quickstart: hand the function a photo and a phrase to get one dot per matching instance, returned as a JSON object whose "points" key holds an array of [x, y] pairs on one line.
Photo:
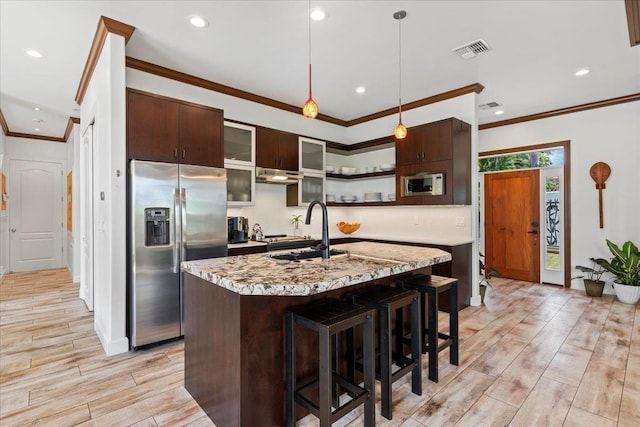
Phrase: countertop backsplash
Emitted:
{"points": [[426, 224]]}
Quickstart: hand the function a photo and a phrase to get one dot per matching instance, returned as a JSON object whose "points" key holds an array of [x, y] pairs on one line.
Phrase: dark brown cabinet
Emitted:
{"points": [[276, 149], [439, 147], [168, 130]]}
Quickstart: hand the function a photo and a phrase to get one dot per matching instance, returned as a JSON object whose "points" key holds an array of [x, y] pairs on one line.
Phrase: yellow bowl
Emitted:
{"points": [[348, 227]]}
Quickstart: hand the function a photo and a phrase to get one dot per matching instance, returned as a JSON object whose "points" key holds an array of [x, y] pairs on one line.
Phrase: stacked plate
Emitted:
{"points": [[348, 198], [392, 197], [387, 166], [330, 197], [373, 197]]}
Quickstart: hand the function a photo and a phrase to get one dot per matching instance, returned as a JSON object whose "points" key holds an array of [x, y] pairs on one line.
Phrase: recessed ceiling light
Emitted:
{"points": [[361, 89], [34, 53], [37, 129], [36, 108], [499, 112], [198, 21], [582, 72], [318, 14]]}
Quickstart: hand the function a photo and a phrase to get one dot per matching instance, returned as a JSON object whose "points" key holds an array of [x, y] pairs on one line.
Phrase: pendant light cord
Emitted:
{"points": [[400, 67], [309, 26]]}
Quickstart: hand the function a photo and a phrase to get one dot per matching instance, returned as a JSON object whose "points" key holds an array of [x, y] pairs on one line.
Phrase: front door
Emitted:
{"points": [[512, 220], [35, 215]]}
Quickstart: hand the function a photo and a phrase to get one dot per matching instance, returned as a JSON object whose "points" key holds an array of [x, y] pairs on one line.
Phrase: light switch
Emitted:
{"points": [[459, 221]]}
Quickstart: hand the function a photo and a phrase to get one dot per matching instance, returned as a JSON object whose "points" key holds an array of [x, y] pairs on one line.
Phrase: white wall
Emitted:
{"points": [[610, 135], [105, 104], [4, 223]]}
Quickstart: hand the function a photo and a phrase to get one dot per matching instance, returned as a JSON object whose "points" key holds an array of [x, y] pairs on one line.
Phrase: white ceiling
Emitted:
{"points": [[261, 47]]}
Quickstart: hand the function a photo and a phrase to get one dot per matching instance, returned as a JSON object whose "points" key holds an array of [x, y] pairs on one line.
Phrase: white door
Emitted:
{"points": [[86, 218], [551, 241], [35, 215]]}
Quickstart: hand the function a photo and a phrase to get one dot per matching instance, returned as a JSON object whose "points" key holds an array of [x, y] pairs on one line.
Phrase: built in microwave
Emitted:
{"points": [[424, 183]]}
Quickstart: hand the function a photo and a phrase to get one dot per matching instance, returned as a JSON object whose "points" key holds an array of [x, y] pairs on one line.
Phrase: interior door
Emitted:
{"points": [[35, 215], [512, 220], [86, 218]]}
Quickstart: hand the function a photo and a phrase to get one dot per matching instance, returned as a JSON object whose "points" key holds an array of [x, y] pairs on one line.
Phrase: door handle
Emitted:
{"points": [[532, 232], [176, 257], [183, 223], [184, 152], [13, 230]]}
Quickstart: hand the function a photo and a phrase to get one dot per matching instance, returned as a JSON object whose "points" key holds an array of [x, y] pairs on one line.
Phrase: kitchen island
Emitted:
{"points": [[234, 321]]}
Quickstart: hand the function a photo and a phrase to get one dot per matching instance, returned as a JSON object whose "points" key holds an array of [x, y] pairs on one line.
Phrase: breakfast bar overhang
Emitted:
{"points": [[234, 311]]}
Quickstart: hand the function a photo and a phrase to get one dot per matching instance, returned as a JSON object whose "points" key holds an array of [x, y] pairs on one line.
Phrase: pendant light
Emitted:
{"points": [[310, 108], [400, 131]]}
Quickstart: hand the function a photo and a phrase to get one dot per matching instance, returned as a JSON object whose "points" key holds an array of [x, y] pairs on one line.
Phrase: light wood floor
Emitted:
{"points": [[532, 355]]}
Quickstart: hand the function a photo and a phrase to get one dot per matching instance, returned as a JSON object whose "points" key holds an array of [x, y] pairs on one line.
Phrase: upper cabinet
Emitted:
{"points": [[439, 147], [239, 160], [239, 144], [312, 155], [276, 149], [168, 130]]}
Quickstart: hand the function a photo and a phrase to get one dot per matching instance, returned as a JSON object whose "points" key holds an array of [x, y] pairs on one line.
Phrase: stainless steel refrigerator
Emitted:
{"points": [[176, 213]]}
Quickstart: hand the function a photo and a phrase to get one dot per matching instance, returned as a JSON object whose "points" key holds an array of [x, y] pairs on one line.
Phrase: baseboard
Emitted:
{"points": [[475, 301], [111, 348]]}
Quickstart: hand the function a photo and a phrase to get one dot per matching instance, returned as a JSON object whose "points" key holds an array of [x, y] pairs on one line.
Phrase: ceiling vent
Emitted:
{"points": [[489, 105], [471, 50]]}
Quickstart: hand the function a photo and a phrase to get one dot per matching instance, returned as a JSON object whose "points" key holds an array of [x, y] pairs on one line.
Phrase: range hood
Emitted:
{"points": [[277, 176]]}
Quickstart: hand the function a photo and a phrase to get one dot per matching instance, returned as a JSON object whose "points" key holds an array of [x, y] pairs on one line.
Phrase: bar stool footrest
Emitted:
{"points": [[358, 396]]}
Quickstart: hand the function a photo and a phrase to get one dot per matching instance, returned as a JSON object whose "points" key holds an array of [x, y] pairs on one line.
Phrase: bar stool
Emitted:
{"points": [[328, 318], [385, 299], [432, 286]]}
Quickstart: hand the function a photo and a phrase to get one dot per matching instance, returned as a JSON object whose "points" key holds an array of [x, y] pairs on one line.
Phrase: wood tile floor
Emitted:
{"points": [[532, 355]]}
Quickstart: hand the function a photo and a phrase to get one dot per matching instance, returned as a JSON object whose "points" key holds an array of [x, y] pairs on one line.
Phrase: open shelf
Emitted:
{"points": [[360, 204], [361, 175]]}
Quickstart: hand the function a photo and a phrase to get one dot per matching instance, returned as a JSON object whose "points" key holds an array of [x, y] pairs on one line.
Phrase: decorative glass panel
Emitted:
{"points": [[552, 232]]}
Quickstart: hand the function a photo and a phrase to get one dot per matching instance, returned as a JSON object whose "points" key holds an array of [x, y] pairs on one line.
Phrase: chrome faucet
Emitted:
{"points": [[325, 226]]}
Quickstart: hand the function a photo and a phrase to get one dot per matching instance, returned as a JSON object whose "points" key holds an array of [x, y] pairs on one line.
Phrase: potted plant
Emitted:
{"points": [[626, 267], [593, 285], [485, 275], [296, 220]]}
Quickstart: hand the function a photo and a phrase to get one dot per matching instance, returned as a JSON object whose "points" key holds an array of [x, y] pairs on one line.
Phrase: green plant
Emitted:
{"points": [[296, 219], [487, 273], [625, 264], [594, 274]]}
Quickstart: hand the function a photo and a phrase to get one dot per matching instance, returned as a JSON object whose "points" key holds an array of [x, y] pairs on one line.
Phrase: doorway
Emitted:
{"points": [[552, 160], [86, 218], [35, 215]]}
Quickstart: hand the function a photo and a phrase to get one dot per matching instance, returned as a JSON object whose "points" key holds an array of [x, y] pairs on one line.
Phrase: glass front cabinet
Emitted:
{"points": [[311, 159], [240, 161]]}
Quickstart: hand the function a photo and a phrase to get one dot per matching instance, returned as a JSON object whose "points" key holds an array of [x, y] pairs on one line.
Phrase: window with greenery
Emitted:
{"points": [[536, 159]]}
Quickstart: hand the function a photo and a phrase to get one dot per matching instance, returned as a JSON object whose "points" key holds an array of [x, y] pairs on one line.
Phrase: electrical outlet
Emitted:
{"points": [[459, 221]]}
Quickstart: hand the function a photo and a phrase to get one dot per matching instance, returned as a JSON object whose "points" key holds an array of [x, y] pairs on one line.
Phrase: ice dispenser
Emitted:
{"points": [[157, 226]]}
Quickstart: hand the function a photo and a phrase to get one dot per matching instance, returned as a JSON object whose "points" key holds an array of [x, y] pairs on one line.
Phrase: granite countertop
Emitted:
{"points": [[259, 274]]}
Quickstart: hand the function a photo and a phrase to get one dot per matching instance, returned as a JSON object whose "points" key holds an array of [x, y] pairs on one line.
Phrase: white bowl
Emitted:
{"points": [[329, 169], [348, 170], [370, 169], [387, 166]]}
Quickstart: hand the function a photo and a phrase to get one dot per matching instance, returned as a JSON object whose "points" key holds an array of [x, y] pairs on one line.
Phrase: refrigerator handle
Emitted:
{"points": [[183, 210], [176, 249]]}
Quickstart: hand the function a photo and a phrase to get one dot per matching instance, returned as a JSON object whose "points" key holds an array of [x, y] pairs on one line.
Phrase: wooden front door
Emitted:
{"points": [[512, 211]]}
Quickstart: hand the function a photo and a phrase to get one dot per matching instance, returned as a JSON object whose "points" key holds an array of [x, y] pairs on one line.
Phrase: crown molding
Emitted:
{"points": [[3, 123], [158, 70], [632, 8], [475, 87], [561, 111], [105, 26], [65, 138]]}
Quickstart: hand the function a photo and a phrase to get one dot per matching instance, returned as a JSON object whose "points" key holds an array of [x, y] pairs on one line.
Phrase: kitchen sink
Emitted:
{"points": [[305, 254]]}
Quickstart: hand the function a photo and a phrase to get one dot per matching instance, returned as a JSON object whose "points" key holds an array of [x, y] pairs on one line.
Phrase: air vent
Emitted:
{"points": [[471, 50], [489, 105]]}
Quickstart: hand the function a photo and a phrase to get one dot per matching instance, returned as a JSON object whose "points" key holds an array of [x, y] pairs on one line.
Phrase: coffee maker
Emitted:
{"points": [[238, 229]]}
